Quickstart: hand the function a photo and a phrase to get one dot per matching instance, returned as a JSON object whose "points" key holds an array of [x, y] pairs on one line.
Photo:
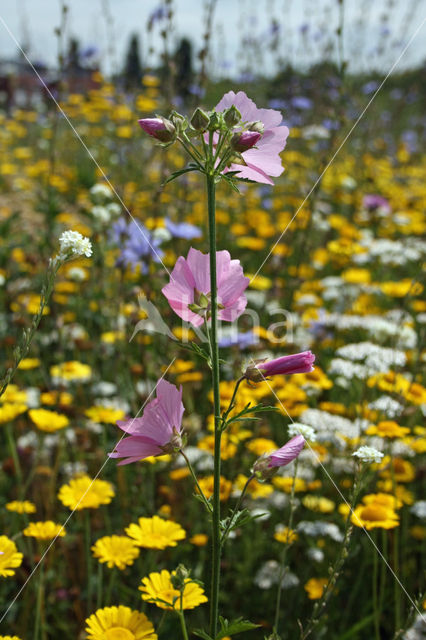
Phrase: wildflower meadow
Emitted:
{"points": [[212, 324]]}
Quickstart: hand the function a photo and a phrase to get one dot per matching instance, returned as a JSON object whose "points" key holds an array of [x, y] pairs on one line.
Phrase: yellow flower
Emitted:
{"points": [[155, 533], [159, 586], [9, 638], [29, 363], [318, 503], [260, 446], [55, 397], [255, 489], [72, 371], [107, 415], [403, 470], [119, 623], [387, 429], [227, 449], [374, 516], [206, 485], [116, 551], [285, 535], [10, 558], [21, 506], [286, 484], [85, 493], [315, 587], [416, 394], [199, 539], [44, 530], [385, 499], [9, 412], [48, 421]]}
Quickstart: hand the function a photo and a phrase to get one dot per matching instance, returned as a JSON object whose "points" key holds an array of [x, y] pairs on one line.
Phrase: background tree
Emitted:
{"points": [[133, 66]]}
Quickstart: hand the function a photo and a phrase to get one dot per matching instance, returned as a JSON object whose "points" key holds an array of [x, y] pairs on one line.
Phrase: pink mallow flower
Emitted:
{"points": [[286, 365], [264, 160], [267, 465], [157, 432], [188, 291]]}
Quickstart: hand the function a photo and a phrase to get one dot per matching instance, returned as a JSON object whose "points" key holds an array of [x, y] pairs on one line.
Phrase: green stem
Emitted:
{"points": [[182, 616], [237, 506], [231, 404], [88, 560], [284, 554], [216, 546], [38, 631], [194, 477], [375, 597], [15, 457]]}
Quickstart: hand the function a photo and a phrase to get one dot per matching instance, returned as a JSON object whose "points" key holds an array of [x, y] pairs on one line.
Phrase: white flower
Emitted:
{"points": [[77, 274], [368, 454], [72, 243], [297, 428], [101, 214], [101, 191]]}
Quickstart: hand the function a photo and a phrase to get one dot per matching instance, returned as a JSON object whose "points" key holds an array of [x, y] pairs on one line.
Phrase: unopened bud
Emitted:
{"points": [[215, 121], [159, 128], [257, 126], [179, 576], [231, 116], [178, 120], [245, 140], [200, 120]]}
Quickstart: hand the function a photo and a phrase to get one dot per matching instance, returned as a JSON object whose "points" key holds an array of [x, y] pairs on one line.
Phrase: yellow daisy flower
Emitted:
{"points": [[85, 493], [373, 516], [10, 558], [72, 371], [159, 586], [9, 638], [21, 506], [9, 411], [315, 587], [285, 535], [44, 530], [119, 623], [48, 421], [206, 485], [107, 415], [387, 429], [116, 551], [155, 533]]}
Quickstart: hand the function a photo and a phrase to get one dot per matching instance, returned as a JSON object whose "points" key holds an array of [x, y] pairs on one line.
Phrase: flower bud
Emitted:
{"points": [[159, 128], [215, 121], [179, 577], [257, 126], [231, 116], [200, 120], [244, 140], [178, 120]]}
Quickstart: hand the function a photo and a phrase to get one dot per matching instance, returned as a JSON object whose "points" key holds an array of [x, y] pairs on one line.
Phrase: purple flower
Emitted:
{"points": [[286, 365], [182, 229], [157, 432], [188, 291], [137, 244], [264, 160], [268, 464], [373, 201], [287, 453], [159, 128]]}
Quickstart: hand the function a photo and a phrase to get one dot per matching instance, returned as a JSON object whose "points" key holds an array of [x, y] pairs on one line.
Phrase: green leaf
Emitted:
{"points": [[231, 182], [190, 167], [235, 626], [202, 634], [244, 414]]}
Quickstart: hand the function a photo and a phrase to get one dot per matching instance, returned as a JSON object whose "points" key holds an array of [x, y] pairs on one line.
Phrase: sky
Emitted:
{"points": [[373, 35]]}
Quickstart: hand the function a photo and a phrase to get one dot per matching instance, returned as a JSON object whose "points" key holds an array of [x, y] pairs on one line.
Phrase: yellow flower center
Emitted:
{"points": [[168, 595], [119, 633], [375, 513]]}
